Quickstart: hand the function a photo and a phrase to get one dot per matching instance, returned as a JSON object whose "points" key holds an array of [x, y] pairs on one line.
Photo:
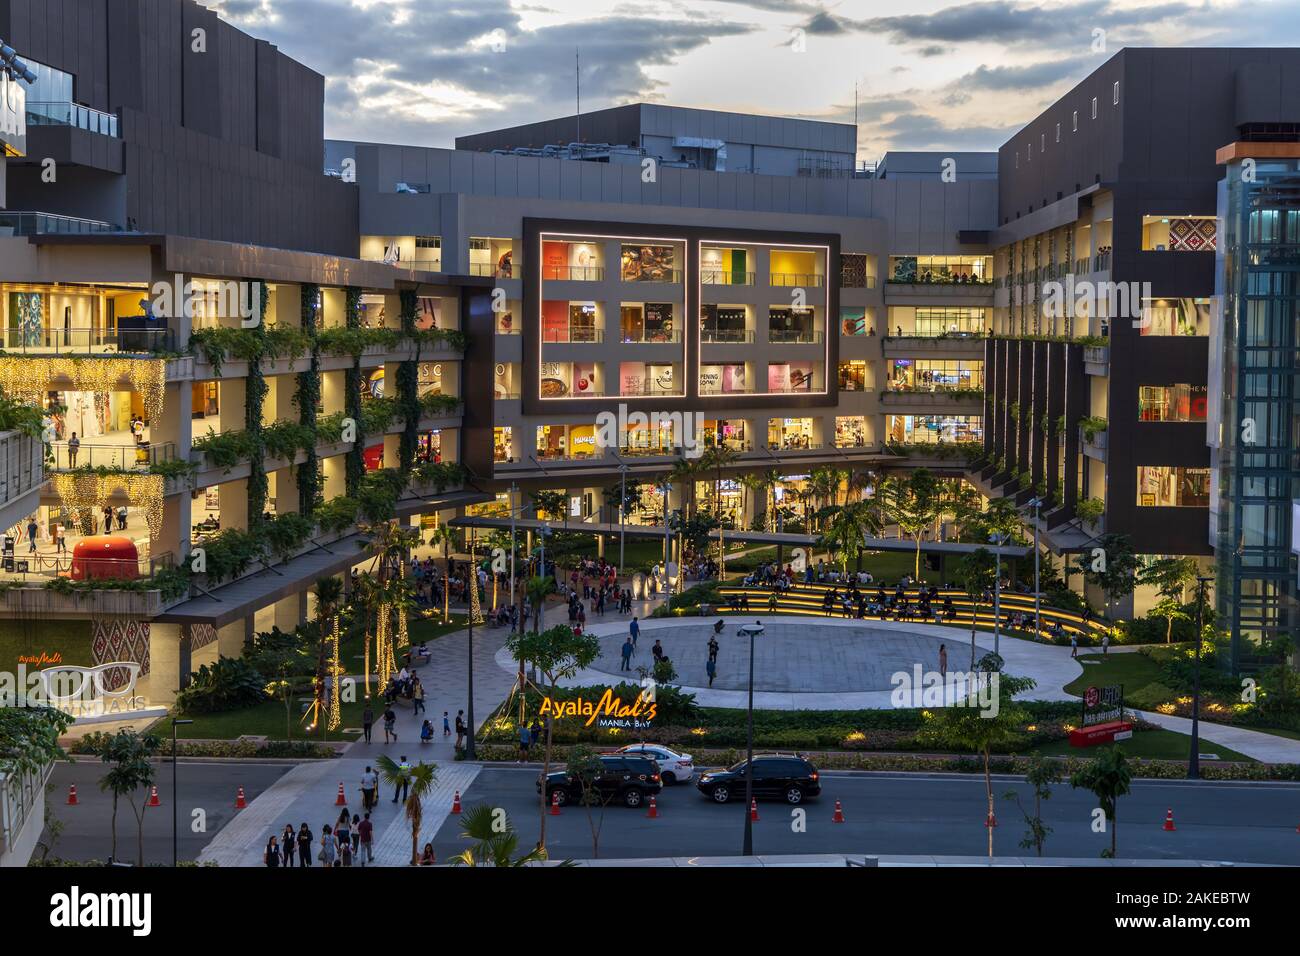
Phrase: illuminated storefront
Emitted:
{"points": [[729, 379], [933, 375], [1172, 403], [729, 433], [566, 441], [1165, 486], [794, 433], [853, 376], [503, 443], [934, 429], [851, 431]]}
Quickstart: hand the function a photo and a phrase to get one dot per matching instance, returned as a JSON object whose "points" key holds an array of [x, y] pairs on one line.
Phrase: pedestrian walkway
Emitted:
{"points": [[1269, 748]]}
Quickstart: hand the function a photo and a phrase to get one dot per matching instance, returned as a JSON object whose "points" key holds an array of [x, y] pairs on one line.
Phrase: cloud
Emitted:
{"points": [[1028, 76]]}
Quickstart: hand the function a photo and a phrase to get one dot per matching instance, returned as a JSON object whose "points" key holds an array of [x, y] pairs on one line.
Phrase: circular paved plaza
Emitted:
{"points": [[812, 663]]}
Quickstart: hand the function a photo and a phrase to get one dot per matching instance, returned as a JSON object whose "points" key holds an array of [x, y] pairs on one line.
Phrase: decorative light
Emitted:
{"points": [[86, 492], [386, 660], [28, 378], [336, 672]]}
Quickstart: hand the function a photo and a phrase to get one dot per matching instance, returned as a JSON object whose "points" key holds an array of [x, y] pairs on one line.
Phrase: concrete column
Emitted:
{"points": [[284, 486], [165, 662], [392, 450], [233, 497], [332, 391], [335, 476], [177, 521], [232, 394], [185, 656], [251, 628], [288, 612], [230, 639]]}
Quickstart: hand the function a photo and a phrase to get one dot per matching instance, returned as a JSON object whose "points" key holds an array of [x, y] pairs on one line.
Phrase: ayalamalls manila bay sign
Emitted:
{"points": [[609, 711]]}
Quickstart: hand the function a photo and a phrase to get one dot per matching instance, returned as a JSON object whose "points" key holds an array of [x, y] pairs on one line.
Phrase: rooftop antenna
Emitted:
{"points": [[577, 89]]}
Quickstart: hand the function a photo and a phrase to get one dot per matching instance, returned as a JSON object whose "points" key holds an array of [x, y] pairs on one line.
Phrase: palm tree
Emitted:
{"points": [[683, 475], [754, 484], [495, 841], [444, 535], [718, 457], [420, 779], [1108, 777], [329, 595], [846, 529]]}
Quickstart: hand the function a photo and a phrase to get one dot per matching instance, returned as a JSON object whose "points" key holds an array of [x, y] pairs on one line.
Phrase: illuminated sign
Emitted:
{"points": [[609, 711]]}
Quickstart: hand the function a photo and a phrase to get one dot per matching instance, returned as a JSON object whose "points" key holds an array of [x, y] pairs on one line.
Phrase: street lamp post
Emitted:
{"points": [[472, 579], [752, 631], [514, 581], [542, 532], [997, 540], [175, 794], [1037, 503], [1194, 758]]}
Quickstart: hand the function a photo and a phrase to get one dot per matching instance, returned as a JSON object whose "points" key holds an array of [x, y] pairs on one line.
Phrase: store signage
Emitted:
{"points": [[608, 711], [1103, 704]]}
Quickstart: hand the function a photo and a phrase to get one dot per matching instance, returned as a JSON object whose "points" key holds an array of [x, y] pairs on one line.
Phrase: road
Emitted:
{"points": [[207, 786], [912, 814]]}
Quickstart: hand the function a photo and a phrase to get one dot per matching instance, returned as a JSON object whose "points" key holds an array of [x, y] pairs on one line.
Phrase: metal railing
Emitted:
{"points": [[574, 273], [725, 277], [511, 271], [573, 335], [719, 390], [19, 796], [794, 336], [726, 336], [117, 457], [789, 279], [49, 224], [650, 338], [672, 276], [66, 565], [64, 113], [58, 340]]}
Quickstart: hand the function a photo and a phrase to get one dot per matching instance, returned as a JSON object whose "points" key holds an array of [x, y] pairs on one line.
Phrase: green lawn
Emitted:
{"points": [[263, 720], [1149, 744], [70, 640], [1134, 670]]}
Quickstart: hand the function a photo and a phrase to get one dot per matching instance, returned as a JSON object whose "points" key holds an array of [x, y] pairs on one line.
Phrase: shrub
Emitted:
{"points": [[229, 683]]}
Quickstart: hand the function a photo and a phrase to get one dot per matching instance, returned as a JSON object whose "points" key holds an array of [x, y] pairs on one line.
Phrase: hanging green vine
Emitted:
{"points": [[307, 398], [356, 458], [254, 399], [408, 385]]}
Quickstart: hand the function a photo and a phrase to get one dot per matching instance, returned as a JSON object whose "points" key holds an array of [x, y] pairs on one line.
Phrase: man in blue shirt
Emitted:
{"points": [[635, 630]]}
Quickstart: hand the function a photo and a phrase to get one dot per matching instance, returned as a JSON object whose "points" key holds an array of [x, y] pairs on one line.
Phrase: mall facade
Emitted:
{"points": [[539, 309]]}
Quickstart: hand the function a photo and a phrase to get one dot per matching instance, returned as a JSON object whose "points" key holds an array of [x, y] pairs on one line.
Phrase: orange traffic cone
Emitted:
{"points": [[1169, 820], [555, 804], [455, 803], [753, 810], [340, 800], [153, 797], [992, 821], [239, 799], [654, 810], [839, 813], [72, 797]]}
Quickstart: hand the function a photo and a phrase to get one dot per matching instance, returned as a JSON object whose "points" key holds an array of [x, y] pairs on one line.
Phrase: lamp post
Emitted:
{"points": [[514, 581], [996, 540], [1037, 503], [751, 631], [175, 793], [472, 579], [1194, 758], [542, 532]]}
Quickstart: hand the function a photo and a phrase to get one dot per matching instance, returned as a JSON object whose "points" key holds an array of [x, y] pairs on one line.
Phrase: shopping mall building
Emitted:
{"points": [[206, 292]]}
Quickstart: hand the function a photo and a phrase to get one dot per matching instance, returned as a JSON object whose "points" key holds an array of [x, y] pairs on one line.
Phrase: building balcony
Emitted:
{"points": [[724, 277], [794, 336], [71, 114], [115, 457], [49, 224], [1094, 447], [573, 273], [788, 280], [959, 345], [150, 337], [575, 336], [726, 336], [22, 473], [1096, 359]]}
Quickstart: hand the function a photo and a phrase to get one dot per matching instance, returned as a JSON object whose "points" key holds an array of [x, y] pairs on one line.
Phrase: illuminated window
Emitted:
{"points": [[1172, 403], [790, 433], [1169, 486], [853, 376], [934, 429], [502, 443], [851, 432]]}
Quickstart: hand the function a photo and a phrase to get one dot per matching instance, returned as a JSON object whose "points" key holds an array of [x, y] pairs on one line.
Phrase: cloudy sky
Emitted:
{"points": [[929, 73]]}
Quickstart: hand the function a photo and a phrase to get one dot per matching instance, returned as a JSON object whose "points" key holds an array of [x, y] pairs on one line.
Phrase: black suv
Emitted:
{"points": [[626, 777], [787, 776]]}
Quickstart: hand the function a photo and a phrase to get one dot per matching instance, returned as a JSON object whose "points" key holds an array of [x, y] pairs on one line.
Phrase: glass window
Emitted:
{"points": [[935, 375], [934, 429], [726, 379], [784, 433], [1175, 317], [1172, 403], [646, 263], [1168, 486], [958, 270], [853, 376], [724, 323], [851, 431], [948, 320], [854, 322]]}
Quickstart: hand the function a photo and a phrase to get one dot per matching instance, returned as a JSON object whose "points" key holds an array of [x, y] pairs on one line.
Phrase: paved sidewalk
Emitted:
{"points": [[1270, 748]]}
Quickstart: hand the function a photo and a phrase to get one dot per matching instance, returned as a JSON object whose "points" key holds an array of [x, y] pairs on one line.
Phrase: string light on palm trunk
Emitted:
{"points": [[30, 378], [336, 675]]}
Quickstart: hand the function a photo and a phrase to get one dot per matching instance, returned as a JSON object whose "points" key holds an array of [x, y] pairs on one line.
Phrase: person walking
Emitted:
{"points": [[627, 655], [367, 721], [403, 786], [272, 855], [712, 667], [304, 846], [713, 648], [327, 852], [634, 629], [32, 530], [446, 725], [343, 829], [417, 696], [121, 517], [460, 728], [1105, 643], [943, 662], [366, 834], [525, 739], [1074, 645], [369, 786], [74, 446], [356, 833], [390, 725], [60, 539]]}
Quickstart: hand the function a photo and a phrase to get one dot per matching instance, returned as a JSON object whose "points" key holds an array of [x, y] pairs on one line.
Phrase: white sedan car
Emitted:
{"points": [[673, 767]]}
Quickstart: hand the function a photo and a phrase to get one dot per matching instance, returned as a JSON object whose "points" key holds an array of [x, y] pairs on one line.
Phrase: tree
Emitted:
{"points": [[29, 738], [284, 657], [845, 530], [538, 587], [756, 485], [967, 724], [915, 503], [1111, 565], [558, 653], [1170, 577], [977, 572], [130, 756], [715, 458], [495, 840], [683, 475], [585, 769], [551, 504], [420, 779], [329, 595], [444, 535], [1108, 776], [1042, 775]]}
